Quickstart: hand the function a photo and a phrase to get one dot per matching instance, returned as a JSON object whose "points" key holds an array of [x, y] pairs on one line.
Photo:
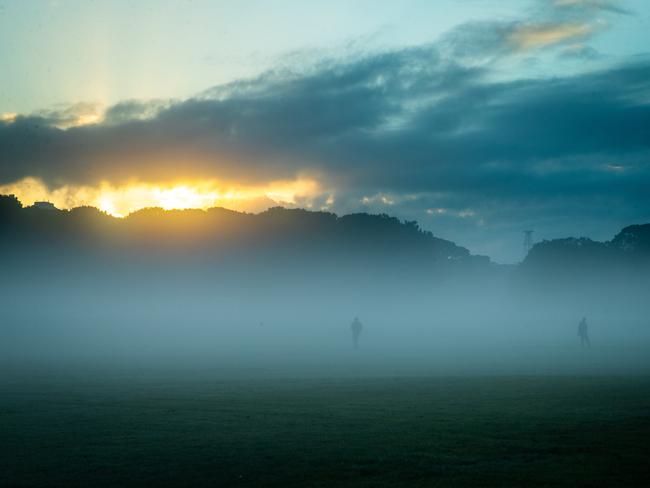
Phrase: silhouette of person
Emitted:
{"points": [[356, 329], [583, 333]]}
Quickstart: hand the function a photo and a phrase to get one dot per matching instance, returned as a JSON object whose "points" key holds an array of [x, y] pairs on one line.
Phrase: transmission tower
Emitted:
{"points": [[528, 241]]}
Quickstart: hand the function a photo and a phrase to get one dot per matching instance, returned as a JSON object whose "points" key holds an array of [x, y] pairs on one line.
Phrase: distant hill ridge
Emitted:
{"points": [[284, 230], [631, 242], [280, 229]]}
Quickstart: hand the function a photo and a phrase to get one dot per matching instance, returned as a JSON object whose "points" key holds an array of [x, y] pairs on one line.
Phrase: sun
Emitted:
{"points": [[183, 197], [121, 200]]}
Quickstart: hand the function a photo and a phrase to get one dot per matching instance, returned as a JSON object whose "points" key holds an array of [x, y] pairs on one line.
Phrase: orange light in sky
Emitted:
{"points": [[121, 200]]}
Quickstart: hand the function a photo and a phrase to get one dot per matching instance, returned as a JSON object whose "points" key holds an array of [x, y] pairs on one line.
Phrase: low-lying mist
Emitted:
{"points": [[279, 299]]}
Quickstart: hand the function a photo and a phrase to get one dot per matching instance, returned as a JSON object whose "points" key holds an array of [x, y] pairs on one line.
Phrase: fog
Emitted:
{"points": [[247, 320], [274, 295]]}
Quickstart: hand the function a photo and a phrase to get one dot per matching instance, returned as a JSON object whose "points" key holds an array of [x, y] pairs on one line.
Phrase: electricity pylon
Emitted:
{"points": [[528, 241]]}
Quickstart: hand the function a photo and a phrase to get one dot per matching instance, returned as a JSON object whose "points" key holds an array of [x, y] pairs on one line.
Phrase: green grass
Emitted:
{"points": [[484, 431]]}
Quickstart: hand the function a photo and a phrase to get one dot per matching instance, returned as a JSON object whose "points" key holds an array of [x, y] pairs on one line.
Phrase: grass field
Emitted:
{"points": [[136, 430]]}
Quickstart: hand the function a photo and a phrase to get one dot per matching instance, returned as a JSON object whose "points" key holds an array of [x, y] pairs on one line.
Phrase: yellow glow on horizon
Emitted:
{"points": [[86, 116], [8, 117], [121, 200]]}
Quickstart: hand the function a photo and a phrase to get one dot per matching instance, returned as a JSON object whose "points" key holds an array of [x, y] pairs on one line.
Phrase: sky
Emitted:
{"points": [[479, 119]]}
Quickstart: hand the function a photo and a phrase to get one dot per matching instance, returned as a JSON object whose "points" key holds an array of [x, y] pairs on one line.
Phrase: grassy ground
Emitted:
{"points": [[487, 431]]}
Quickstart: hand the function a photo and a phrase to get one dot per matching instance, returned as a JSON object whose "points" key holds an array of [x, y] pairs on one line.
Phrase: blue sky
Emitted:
{"points": [[477, 118], [107, 51]]}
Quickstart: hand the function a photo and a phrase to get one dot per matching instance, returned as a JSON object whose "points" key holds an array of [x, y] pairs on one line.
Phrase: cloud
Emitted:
{"points": [[405, 121], [549, 24], [579, 51], [66, 116], [405, 131], [527, 37], [131, 110], [591, 5]]}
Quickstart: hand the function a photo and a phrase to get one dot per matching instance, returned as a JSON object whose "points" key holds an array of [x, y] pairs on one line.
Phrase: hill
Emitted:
{"points": [[279, 247]]}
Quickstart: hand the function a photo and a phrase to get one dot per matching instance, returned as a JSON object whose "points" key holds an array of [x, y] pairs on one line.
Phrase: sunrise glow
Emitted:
{"points": [[121, 200]]}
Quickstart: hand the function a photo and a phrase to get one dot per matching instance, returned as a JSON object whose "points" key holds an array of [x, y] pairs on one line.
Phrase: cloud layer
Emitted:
{"points": [[427, 132]]}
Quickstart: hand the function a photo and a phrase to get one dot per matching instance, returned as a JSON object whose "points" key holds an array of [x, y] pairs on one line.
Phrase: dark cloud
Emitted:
{"points": [[130, 110], [414, 133], [64, 116]]}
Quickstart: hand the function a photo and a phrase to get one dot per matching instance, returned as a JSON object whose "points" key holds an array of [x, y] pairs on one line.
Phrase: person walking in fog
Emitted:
{"points": [[583, 333], [356, 329]]}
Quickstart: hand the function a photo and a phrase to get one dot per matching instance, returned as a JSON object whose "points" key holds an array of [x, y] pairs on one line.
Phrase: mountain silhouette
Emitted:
{"points": [[277, 236], [281, 235], [585, 269], [630, 245]]}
